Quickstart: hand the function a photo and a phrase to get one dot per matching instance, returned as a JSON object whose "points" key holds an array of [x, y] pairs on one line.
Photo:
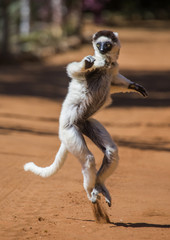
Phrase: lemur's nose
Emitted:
{"points": [[101, 46], [104, 47]]}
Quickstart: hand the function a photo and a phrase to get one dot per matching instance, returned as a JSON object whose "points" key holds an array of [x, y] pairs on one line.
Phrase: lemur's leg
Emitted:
{"points": [[75, 143], [98, 134]]}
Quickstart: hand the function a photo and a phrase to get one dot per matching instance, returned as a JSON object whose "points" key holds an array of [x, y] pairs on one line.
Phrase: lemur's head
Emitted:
{"points": [[106, 43]]}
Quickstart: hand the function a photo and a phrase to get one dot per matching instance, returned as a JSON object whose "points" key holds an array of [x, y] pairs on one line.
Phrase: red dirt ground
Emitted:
{"points": [[57, 208]]}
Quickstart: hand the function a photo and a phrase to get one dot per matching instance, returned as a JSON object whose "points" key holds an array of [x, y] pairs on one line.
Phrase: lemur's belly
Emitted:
{"points": [[96, 102]]}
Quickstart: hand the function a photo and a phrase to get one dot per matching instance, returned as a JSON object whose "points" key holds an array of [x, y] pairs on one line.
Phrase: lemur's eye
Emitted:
{"points": [[98, 45], [108, 44]]}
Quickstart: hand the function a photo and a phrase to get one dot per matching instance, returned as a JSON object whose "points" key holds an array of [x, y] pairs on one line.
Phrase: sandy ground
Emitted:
{"points": [[57, 208]]}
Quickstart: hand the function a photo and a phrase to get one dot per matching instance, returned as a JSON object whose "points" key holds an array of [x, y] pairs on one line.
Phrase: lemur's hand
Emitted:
{"points": [[89, 61], [138, 88]]}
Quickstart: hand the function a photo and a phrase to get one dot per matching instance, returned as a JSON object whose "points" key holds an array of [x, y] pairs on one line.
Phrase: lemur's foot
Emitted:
{"points": [[89, 61], [138, 88], [94, 195], [100, 188], [108, 202]]}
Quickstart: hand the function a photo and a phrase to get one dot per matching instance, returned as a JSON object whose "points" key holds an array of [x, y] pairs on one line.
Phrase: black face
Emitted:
{"points": [[104, 47]]}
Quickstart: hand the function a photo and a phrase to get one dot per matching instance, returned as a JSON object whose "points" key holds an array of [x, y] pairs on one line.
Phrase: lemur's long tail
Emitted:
{"points": [[54, 167]]}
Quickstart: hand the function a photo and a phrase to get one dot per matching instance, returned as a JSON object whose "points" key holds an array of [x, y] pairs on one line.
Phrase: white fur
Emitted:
{"points": [[116, 34], [79, 101], [54, 167]]}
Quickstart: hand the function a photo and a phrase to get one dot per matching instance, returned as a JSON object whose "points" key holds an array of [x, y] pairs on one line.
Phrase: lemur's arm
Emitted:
{"points": [[122, 84], [77, 70]]}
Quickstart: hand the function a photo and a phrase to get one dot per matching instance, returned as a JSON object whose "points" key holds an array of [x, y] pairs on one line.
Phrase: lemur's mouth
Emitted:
{"points": [[104, 47]]}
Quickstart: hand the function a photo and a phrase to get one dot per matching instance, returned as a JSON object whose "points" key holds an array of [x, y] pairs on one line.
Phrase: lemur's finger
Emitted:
{"points": [[88, 64], [138, 88], [90, 58], [142, 91], [89, 61]]}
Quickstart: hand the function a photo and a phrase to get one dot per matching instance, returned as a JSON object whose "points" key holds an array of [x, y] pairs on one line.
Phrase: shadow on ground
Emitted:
{"points": [[51, 82], [140, 225], [129, 225], [154, 145]]}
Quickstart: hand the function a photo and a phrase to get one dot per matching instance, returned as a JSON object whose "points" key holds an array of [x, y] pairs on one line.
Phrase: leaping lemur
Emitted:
{"points": [[92, 81]]}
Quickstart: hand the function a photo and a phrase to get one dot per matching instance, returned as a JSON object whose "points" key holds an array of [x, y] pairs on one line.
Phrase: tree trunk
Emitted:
{"points": [[57, 11], [24, 17], [5, 28]]}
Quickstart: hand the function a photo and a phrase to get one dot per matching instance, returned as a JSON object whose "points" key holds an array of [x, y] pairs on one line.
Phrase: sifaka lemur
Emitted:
{"points": [[92, 81]]}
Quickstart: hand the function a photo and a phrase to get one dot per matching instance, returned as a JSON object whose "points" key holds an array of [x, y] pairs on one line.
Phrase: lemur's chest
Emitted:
{"points": [[98, 89], [98, 82]]}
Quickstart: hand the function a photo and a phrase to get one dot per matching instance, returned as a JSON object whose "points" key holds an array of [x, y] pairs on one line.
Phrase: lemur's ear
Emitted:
{"points": [[93, 36], [116, 34]]}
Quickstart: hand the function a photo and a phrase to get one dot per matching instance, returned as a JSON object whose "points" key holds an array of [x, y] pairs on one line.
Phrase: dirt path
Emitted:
{"points": [[57, 208]]}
